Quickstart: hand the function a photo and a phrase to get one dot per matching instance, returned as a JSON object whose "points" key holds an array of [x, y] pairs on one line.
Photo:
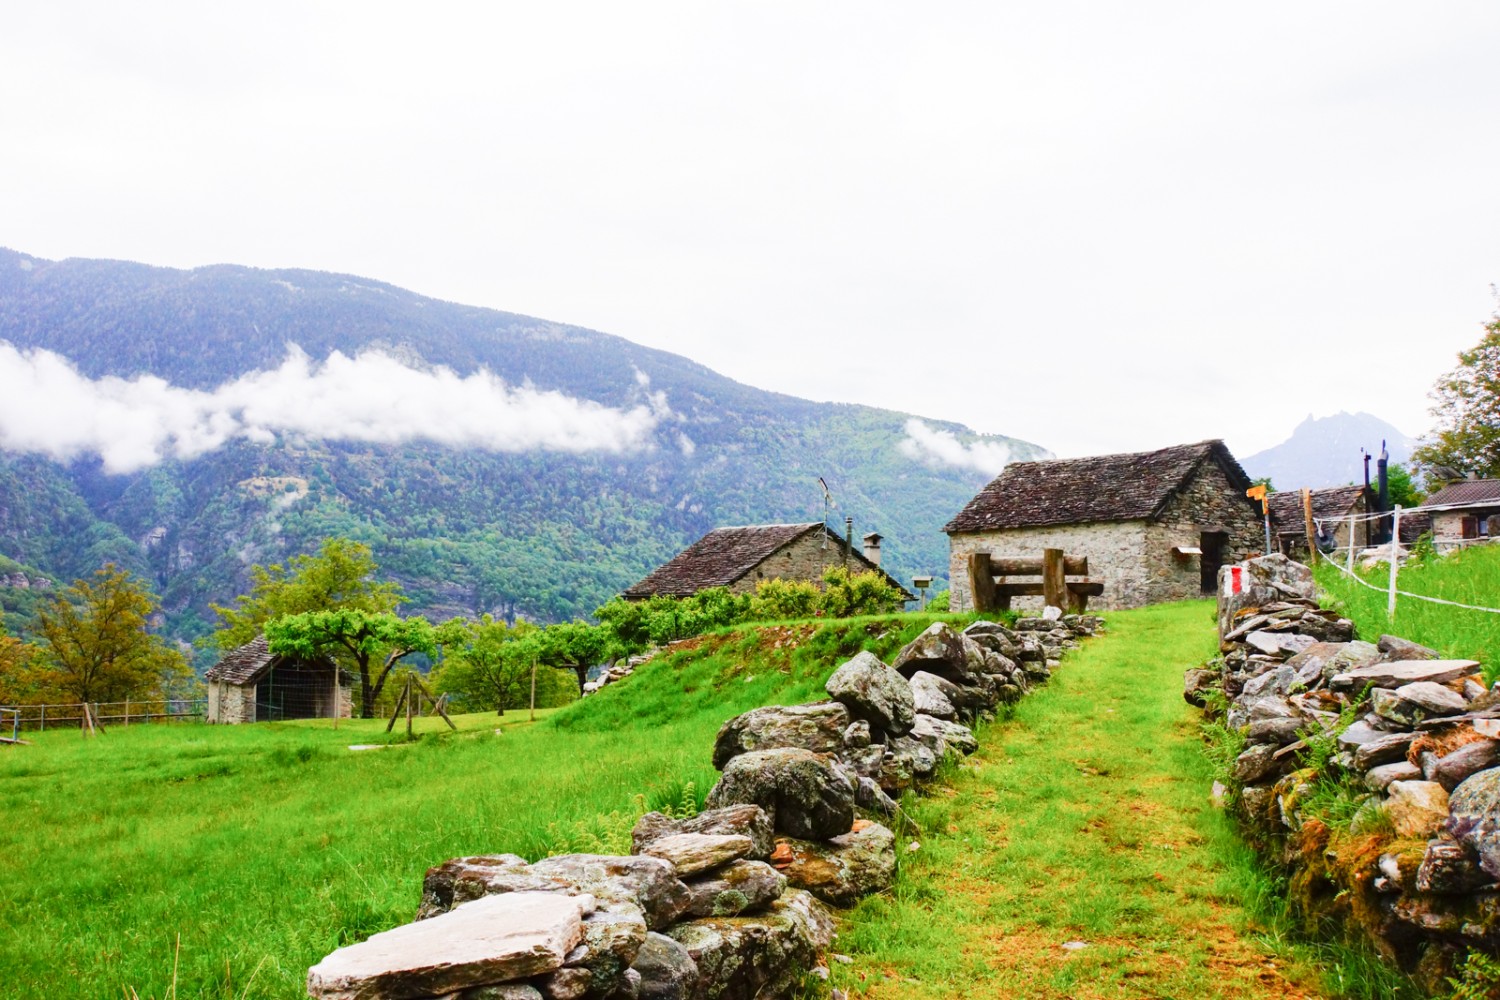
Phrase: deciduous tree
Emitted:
{"points": [[340, 575], [1467, 408], [375, 641], [98, 645]]}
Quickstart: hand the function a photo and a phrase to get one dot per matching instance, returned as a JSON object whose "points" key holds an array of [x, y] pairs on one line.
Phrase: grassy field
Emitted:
{"points": [[1471, 576], [1077, 854], [190, 861]]}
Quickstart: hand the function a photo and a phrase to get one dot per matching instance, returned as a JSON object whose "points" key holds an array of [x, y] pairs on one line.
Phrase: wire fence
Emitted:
{"points": [[40, 718]]}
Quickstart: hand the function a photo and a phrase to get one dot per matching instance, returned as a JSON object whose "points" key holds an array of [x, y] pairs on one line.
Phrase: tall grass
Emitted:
{"points": [[1470, 575], [264, 847]]}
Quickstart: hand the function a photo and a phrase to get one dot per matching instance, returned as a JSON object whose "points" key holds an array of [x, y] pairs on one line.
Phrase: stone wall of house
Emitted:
{"points": [[802, 559], [1116, 554], [1133, 559], [229, 704]]}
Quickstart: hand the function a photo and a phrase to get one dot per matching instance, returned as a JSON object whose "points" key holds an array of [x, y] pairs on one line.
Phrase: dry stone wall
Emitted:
{"points": [[733, 903], [1409, 740]]}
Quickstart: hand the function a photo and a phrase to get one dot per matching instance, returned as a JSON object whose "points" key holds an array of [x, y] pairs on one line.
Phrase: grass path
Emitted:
{"points": [[1083, 821]]}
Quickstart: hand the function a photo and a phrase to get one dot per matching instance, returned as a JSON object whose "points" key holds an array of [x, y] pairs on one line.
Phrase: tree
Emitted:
{"points": [[23, 680], [366, 637], [483, 660], [1400, 487], [1468, 412], [340, 575], [98, 646], [577, 646]]}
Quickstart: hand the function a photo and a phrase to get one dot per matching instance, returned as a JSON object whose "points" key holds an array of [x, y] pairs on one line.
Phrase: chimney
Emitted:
{"points": [[872, 548], [848, 539], [1383, 498]]}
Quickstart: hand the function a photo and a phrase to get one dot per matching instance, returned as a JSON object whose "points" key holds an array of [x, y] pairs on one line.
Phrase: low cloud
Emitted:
{"points": [[49, 408], [935, 446]]}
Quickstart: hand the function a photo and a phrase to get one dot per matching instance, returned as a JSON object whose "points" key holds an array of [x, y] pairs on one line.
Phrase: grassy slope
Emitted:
{"points": [[1471, 576], [1085, 818], [264, 847]]}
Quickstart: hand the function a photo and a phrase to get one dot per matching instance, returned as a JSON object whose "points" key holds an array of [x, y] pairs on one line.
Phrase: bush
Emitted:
{"points": [[847, 595], [780, 599]]}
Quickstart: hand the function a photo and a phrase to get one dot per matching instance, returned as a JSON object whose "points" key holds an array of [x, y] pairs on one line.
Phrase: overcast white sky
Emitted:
{"points": [[1096, 226]]}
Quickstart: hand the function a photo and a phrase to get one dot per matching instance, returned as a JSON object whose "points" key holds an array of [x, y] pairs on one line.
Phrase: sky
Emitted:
{"points": [[1098, 227]]}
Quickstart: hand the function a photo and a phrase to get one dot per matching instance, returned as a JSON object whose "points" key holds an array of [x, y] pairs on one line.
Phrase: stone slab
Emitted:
{"points": [[1400, 672]]}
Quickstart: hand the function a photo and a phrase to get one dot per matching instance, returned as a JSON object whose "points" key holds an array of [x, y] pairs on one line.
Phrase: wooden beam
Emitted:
{"points": [[435, 703], [1307, 524], [982, 582], [1086, 588], [1054, 580], [1072, 565]]}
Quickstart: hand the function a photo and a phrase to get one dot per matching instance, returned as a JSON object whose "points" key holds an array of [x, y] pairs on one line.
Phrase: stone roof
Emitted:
{"points": [[725, 555], [1327, 504], [1479, 492], [250, 662], [1128, 487]]}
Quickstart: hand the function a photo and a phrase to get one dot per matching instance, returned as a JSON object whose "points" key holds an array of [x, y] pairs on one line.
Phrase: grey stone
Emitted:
{"points": [[1282, 644], [1386, 749], [1416, 808], [864, 762], [1467, 760], [955, 736], [1474, 817], [1275, 681], [942, 651], [1380, 777], [845, 869], [565, 984], [1260, 763], [745, 886], [1413, 703], [907, 761], [1277, 732], [1448, 869], [803, 793], [693, 853], [649, 883], [493, 939], [1196, 684], [874, 692], [994, 637], [460, 880], [502, 991], [858, 735], [1396, 673], [667, 971], [1359, 733], [757, 957], [929, 695], [868, 795], [612, 935], [818, 727], [746, 820], [1396, 648]]}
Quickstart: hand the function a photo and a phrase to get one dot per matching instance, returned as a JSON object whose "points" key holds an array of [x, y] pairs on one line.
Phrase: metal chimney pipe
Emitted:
{"points": [[848, 539]]}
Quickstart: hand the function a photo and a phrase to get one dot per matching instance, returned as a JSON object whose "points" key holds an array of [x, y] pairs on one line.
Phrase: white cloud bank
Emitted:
{"points": [[939, 447], [48, 407]]}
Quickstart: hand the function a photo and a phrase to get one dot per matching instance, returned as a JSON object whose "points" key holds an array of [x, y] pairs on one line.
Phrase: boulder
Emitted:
{"points": [[757, 957], [694, 853], [845, 869], [930, 697], [1196, 684], [803, 793], [746, 820], [1398, 673], [461, 880], [1471, 758], [1257, 582], [1474, 817], [491, 940], [1416, 808], [667, 971], [612, 936], [864, 762], [1380, 777], [873, 692], [648, 883], [1412, 703], [907, 761], [819, 727], [869, 796], [956, 737], [1260, 763], [745, 886], [1396, 648], [942, 651]]}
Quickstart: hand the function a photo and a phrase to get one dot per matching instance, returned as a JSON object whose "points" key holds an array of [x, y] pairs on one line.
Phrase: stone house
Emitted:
{"points": [[1154, 526], [1331, 506], [252, 684], [739, 558], [1475, 513]]}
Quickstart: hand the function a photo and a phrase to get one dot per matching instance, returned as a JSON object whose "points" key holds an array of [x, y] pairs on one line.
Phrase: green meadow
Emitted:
{"points": [[194, 861]]}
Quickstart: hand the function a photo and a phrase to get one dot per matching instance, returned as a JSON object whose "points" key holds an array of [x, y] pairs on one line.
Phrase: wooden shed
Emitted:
{"points": [[252, 684]]}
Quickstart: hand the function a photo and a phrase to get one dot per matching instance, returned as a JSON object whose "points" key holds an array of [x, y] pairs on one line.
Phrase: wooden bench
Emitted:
{"points": [[993, 591]]}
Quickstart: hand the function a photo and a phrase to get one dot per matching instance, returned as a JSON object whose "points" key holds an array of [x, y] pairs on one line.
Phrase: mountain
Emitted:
{"points": [[579, 463], [1326, 452]]}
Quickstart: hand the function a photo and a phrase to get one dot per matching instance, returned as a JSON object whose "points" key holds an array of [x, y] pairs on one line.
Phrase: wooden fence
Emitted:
{"points": [[40, 718]]}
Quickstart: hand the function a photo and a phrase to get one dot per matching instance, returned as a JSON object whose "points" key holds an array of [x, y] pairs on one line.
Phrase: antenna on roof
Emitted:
{"points": [[827, 505]]}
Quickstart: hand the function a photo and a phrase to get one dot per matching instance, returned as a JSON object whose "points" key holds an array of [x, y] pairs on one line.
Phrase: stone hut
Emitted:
{"points": [[1154, 525], [1475, 513], [1333, 504], [739, 558], [252, 684]]}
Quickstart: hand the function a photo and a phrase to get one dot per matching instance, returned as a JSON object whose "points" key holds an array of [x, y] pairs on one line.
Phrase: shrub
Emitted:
{"points": [[847, 595], [780, 599]]}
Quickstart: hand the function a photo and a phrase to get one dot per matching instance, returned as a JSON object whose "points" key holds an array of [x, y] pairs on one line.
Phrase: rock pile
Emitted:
{"points": [[1418, 736], [732, 903], [617, 671]]}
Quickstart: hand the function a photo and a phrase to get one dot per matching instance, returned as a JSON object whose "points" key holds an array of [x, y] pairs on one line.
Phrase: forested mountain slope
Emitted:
{"points": [[536, 530]]}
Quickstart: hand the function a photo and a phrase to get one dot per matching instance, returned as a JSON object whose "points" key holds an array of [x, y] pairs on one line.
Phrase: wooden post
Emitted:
{"points": [[338, 702], [408, 707], [1350, 562], [127, 713], [1307, 525], [532, 716], [1054, 580], [982, 581], [436, 703], [42, 721], [396, 713], [1390, 601]]}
